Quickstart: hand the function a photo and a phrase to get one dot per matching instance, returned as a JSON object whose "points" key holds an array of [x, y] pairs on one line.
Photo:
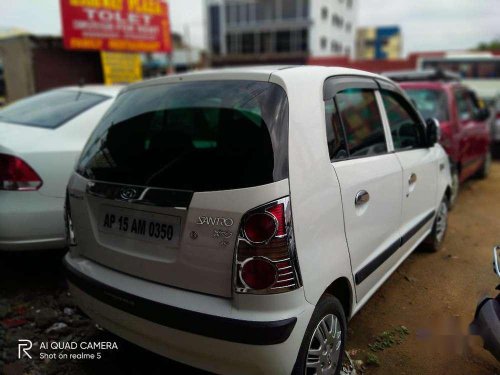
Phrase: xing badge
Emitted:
{"points": [[220, 233]]}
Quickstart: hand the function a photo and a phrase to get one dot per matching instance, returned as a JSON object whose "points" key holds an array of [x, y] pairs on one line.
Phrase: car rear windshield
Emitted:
{"points": [[430, 103], [50, 109], [196, 136]]}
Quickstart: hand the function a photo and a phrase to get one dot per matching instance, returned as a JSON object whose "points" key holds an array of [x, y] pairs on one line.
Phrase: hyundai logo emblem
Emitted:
{"points": [[128, 193]]}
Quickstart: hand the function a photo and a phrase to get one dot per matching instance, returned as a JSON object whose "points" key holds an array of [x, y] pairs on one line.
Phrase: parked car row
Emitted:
{"points": [[494, 104], [465, 129], [250, 211], [41, 138]]}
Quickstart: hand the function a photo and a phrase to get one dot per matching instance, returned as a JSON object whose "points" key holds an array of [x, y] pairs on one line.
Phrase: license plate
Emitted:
{"points": [[140, 225]]}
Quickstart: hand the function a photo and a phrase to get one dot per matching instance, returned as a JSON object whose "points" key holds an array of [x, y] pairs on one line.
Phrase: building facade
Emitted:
{"points": [[28, 65], [379, 43], [279, 30]]}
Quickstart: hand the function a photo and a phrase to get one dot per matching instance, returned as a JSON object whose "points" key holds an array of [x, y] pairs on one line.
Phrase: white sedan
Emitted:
{"points": [[41, 138]]}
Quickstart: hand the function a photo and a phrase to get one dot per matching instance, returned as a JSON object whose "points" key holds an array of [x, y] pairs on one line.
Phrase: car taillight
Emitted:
{"points": [[258, 273], [16, 174], [266, 259], [260, 227]]}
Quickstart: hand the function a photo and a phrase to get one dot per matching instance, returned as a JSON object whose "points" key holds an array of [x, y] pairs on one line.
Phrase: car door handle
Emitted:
{"points": [[412, 179], [362, 197]]}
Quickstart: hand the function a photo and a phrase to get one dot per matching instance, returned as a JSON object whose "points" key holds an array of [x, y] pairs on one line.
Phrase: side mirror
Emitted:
{"points": [[433, 131], [496, 260], [482, 114]]}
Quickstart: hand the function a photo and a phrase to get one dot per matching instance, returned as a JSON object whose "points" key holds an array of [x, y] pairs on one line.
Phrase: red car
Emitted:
{"points": [[464, 125]]}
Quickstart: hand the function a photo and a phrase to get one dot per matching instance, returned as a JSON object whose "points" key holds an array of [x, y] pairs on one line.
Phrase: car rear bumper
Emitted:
{"points": [[31, 221], [203, 331]]}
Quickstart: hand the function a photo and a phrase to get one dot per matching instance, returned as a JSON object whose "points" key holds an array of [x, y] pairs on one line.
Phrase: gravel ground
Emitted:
{"points": [[415, 324]]}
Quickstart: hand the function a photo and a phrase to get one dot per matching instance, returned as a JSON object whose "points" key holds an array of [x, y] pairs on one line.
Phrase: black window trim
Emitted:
{"points": [[334, 85], [344, 136], [390, 86], [59, 124]]}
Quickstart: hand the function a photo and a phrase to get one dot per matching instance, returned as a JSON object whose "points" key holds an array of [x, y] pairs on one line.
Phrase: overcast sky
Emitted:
{"points": [[426, 24]]}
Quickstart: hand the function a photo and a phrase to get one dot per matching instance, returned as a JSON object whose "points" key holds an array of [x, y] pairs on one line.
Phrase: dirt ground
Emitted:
{"points": [[418, 317], [435, 295]]}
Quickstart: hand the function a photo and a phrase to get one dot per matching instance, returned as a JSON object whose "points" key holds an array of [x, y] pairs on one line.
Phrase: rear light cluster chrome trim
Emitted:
{"points": [[287, 277], [272, 235], [241, 279], [280, 250]]}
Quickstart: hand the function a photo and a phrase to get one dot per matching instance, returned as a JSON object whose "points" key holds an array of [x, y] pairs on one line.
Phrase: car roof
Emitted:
{"points": [[259, 73], [108, 90]]}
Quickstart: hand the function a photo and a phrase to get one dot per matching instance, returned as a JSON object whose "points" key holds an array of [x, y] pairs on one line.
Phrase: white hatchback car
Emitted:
{"points": [[234, 220], [41, 138]]}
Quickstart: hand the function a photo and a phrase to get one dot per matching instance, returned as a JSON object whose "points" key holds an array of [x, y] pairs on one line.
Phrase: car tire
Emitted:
{"points": [[434, 241], [328, 313], [485, 167], [455, 185]]}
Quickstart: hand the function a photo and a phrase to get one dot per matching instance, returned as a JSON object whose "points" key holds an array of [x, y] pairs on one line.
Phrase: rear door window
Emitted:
{"points": [[362, 122], [196, 136], [50, 109]]}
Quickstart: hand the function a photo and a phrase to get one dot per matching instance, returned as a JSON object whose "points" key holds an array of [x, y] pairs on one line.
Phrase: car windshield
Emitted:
{"points": [[430, 103], [50, 109], [197, 136]]}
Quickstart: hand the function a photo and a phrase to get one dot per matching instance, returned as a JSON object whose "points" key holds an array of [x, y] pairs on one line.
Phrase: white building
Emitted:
{"points": [[279, 30]]}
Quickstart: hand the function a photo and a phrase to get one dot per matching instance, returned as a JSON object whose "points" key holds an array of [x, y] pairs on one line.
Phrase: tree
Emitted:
{"points": [[493, 45]]}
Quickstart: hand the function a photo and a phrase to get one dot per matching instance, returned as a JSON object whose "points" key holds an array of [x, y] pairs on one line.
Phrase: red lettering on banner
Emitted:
{"points": [[116, 25]]}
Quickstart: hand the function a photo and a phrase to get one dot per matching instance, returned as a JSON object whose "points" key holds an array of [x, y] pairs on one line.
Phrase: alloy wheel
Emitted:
{"points": [[441, 221], [325, 347]]}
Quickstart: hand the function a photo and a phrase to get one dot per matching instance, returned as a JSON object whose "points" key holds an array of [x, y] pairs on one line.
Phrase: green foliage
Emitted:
{"points": [[493, 45], [372, 360], [388, 339]]}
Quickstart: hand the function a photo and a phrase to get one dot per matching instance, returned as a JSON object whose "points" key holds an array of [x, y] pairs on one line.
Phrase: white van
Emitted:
{"points": [[235, 220]]}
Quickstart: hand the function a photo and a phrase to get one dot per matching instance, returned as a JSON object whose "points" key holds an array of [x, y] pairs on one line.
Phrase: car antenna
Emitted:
{"points": [[81, 83]]}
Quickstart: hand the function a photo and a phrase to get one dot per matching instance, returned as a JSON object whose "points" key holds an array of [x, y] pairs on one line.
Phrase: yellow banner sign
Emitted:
{"points": [[121, 67]]}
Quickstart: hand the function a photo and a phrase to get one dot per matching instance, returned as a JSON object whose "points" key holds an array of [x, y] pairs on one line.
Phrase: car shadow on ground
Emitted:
{"points": [[33, 290], [495, 151], [30, 273]]}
